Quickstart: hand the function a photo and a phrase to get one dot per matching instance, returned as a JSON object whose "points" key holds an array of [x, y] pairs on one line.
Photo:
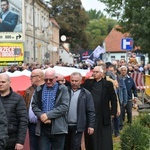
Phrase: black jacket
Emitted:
{"points": [[85, 110], [16, 112], [108, 97], [3, 127]]}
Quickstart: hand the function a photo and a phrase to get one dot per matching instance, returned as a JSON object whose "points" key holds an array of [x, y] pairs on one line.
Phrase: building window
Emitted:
{"points": [[122, 57], [113, 58]]}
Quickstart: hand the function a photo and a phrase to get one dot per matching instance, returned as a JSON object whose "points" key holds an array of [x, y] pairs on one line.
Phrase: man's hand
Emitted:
{"points": [[112, 116], [135, 100], [48, 121], [90, 131], [118, 113], [1, 20], [18, 146], [43, 117]]}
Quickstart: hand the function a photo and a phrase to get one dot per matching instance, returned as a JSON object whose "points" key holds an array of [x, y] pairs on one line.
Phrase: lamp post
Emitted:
{"points": [[34, 50]]}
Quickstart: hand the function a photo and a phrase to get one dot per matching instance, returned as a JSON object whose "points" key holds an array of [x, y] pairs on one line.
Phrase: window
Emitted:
{"points": [[122, 57], [113, 58]]}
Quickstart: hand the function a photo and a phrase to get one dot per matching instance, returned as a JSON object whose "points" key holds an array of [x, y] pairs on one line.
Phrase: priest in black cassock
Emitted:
{"points": [[105, 102]]}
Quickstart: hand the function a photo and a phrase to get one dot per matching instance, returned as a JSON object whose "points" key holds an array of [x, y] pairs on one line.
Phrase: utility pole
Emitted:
{"points": [[34, 50]]}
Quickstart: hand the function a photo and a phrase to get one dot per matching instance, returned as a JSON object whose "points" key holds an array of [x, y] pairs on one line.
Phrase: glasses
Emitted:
{"points": [[34, 76], [50, 80]]}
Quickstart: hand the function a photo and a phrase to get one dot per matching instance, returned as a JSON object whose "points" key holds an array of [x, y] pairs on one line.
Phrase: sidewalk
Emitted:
{"points": [[135, 112]]}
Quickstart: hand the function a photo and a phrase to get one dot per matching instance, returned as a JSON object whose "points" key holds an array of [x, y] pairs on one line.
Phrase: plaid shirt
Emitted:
{"points": [[48, 97]]}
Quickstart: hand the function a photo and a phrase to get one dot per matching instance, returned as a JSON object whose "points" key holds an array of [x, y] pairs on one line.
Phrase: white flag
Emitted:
{"points": [[96, 54], [98, 50]]}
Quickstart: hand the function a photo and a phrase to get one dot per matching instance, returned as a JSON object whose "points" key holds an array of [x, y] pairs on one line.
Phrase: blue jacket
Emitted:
{"points": [[9, 23], [122, 92], [131, 87]]}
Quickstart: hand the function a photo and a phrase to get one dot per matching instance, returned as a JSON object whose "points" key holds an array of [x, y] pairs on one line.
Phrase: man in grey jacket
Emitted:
{"points": [[50, 105], [81, 114]]}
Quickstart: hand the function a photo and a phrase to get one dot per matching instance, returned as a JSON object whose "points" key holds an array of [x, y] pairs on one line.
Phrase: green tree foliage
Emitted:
{"points": [[97, 30], [84, 30], [133, 16], [94, 14], [73, 19]]}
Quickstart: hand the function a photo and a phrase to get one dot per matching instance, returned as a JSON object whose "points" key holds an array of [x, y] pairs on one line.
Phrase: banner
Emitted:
{"points": [[11, 52], [95, 55], [84, 55], [12, 20]]}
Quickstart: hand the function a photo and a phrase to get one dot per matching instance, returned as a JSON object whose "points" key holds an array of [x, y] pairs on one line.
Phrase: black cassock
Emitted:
{"points": [[102, 137]]}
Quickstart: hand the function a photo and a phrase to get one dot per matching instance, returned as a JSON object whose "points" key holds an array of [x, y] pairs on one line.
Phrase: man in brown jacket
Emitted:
{"points": [[37, 79]]}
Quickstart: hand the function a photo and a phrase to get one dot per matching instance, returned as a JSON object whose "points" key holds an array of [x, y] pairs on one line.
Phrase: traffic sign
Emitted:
{"points": [[127, 44], [11, 36]]}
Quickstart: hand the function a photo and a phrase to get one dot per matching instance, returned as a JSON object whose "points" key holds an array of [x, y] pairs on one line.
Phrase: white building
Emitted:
{"points": [[66, 56]]}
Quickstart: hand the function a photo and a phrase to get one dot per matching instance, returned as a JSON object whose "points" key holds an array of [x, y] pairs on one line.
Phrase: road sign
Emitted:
{"points": [[127, 44], [11, 36]]}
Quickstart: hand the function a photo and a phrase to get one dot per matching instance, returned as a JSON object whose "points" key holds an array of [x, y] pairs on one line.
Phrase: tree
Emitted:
{"points": [[133, 17], [97, 30], [72, 19], [94, 14]]}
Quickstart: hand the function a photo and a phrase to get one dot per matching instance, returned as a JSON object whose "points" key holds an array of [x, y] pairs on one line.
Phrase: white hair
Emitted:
{"points": [[123, 67]]}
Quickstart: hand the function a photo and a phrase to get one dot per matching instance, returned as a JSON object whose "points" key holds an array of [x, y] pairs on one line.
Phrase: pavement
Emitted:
{"points": [[135, 112]]}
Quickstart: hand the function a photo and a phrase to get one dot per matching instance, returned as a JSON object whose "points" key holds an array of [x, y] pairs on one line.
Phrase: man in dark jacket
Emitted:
{"points": [[16, 112], [50, 105], [8, 19], [105, 103], [3, 127], [81, 115]]}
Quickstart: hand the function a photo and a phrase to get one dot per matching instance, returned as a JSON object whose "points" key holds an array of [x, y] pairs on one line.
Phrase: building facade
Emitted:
{"points": [[41, 33]]}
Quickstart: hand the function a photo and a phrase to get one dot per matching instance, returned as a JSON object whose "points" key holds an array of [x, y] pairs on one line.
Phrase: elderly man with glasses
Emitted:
{"points": [[37, 79], [50, 105]]}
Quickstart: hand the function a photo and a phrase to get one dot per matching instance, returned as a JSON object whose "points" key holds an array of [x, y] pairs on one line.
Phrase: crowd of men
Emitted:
{"points": [[58, 113]]}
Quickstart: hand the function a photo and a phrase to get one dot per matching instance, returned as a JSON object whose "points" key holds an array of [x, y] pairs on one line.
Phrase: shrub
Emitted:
{"points": [[137, 135], [144, 119]]}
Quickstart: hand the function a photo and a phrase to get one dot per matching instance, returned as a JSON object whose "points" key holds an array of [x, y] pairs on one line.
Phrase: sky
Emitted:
{"points": [[93, 4]]}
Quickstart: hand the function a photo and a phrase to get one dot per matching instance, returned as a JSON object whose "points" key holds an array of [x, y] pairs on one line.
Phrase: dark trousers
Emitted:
{"points": [[116, 123], [47, 141], [73, 139], [128, 109], [34, 140]]}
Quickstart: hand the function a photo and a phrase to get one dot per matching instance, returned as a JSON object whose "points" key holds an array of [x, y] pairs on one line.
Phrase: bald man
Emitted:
{"points": [[60, 78], [37, 79], [16, 113], [50, 105]]}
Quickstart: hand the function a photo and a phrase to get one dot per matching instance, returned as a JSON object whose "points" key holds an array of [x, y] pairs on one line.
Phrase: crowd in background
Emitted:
{"points": [[132, 66]]}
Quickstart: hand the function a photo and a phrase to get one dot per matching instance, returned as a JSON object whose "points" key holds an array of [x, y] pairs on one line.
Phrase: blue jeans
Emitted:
{"points": [[51, 142], [34, 140]]}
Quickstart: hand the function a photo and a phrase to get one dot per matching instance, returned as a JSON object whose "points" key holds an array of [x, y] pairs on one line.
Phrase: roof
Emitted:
{"points": [[54, 22], [113, 41]]}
